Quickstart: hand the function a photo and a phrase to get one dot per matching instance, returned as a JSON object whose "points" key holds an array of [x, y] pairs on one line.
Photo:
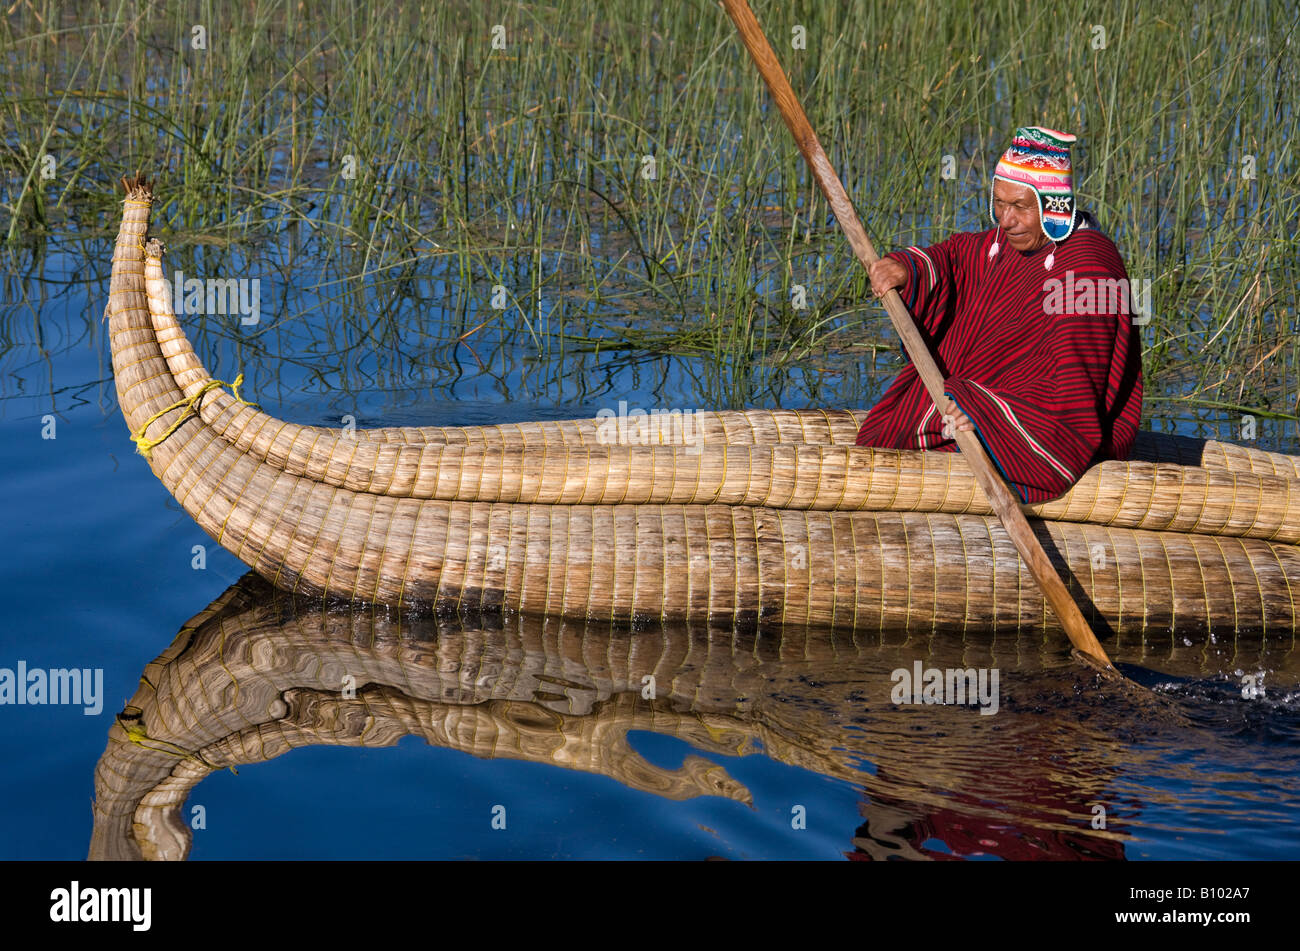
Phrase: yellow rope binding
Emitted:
{"points": [[136, 733], [145, 446]]}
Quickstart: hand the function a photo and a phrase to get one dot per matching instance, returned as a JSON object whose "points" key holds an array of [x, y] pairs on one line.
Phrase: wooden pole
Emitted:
{"points": [[990, 480]]}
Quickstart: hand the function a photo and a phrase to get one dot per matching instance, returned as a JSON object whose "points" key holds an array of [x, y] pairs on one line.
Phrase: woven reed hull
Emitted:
{"points": [[789, 522], [908, 571]]}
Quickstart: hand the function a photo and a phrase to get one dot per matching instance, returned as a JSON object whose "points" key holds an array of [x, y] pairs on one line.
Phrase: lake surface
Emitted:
{"points": [[532, 738]]}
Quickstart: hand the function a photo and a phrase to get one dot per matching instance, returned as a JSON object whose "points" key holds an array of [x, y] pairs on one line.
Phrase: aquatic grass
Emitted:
{"points": [[401, 152]]}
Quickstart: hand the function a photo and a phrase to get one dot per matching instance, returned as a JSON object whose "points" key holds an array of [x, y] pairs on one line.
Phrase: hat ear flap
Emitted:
{"points": [[1059, 216]]}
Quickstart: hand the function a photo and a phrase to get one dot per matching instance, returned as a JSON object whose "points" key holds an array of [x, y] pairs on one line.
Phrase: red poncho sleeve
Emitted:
{"points": [[933, 273]]}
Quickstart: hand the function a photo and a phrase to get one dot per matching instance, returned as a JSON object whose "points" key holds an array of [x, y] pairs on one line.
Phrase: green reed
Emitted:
{"points": [[619, 169]]}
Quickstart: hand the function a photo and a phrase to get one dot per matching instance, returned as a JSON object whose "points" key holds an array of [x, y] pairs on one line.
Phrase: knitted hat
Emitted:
{"points": [[1040, 158]]}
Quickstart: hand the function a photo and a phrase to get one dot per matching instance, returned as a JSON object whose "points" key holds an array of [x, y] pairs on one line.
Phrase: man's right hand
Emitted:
{"points": [[886, 273]]}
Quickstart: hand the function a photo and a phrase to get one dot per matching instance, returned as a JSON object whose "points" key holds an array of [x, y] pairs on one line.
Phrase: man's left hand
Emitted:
{"points": [[954, 421]]}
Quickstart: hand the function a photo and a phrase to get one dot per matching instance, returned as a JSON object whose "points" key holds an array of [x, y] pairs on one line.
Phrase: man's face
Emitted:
{"points": [[1016, 211]]}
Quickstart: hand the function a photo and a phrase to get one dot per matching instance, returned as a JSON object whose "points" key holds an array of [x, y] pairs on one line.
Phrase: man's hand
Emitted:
{"points": [[954, 420], [886, 273]]}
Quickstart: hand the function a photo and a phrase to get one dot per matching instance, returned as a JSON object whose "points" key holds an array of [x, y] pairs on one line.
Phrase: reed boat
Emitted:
{"points": [[751, 516]]}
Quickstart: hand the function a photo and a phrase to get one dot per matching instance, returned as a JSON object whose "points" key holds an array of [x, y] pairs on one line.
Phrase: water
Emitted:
{"points": [[676, 742], [752, 744]]}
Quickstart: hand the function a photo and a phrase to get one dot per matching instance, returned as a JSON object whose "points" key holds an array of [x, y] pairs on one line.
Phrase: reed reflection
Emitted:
{"points": [[258, 674]]}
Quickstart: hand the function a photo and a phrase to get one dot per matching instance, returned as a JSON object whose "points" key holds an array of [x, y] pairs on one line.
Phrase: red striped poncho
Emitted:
{"points": [[1046, 364]]}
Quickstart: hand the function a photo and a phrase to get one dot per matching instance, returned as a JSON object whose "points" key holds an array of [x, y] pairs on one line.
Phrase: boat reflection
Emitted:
{"points": [[258, 674]]}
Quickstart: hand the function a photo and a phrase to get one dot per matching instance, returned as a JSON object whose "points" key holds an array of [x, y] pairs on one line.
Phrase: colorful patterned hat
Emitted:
{"points": [[1040, 158]]}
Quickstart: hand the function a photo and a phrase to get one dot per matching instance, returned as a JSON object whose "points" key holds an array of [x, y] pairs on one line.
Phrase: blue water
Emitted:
{"points": [[98, 568]]}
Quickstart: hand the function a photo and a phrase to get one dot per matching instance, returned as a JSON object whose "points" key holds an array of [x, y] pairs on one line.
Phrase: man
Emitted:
{"points": [[1029, 324]]}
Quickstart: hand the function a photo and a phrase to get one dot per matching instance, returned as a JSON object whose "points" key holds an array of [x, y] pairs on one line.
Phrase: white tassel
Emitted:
{"points": [[993, 249], [1051, 259]]}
